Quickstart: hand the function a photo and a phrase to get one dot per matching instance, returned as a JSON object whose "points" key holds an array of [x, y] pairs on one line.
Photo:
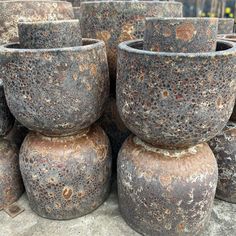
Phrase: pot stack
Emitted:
{"points": [[12, 133], [175, 91], [56, 85], [224, 148], [114, 22]]}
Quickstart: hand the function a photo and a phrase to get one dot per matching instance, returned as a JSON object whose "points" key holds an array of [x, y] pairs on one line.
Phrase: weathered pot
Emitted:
{"points": [[11, 185], [226, 26], [224, 148], [75, 3], [163, 192], [50, 34], [117, 21], [114, 128], [56, 91], [230, 38], [180, 34], [175, 100], [6, 118], [66, 177], [26, 10]]}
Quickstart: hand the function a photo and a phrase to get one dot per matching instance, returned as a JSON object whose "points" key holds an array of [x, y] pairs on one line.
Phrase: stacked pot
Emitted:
{"points": [[56, 84], [12, 134], [114, 22], [224, 148], [175, 91]]}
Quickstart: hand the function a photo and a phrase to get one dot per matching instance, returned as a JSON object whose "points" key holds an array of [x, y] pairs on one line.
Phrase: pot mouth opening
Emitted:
{"points": [[136, 46], [230, 36], [87, 44]]}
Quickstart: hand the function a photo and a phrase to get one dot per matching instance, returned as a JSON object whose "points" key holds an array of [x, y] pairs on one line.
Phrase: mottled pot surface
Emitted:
{"points": [[224, 148], [117, 21], [56, 91], [66, 177], [11, 185], [166, 192], [226, 26], [175, 100], [50, 34], [13, 11], [196, 34], [6, 118]]}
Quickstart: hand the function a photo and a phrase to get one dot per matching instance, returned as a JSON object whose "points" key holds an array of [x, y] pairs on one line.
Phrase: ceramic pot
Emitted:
{"points": [[166, 192], [175, 100], [117, 21], [6, 118], [58, 91], [180, 34], [226, 26], [26, 10], [66, 177], [50, 34], [76, 12], [11, 185], [224, 148]]}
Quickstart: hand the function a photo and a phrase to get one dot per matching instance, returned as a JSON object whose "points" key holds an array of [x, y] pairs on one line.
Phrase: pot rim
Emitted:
{"points": [[127, 46], [130, 1], [93, 43], [182, 18], [47, 22], [227, 37]]}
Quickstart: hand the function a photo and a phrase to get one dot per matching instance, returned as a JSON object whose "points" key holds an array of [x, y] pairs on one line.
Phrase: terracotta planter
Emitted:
{"points": [[226, 26], [180, 34], [164, 192], [6, 118], [13, 11], [57, 91], [66, 177], [175, 100], [11, 185], [115, 22], [50, 34], [224, 148]]}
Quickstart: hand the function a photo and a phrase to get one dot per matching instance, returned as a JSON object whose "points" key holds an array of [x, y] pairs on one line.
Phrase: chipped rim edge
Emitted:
{"points": [[128, 47]]}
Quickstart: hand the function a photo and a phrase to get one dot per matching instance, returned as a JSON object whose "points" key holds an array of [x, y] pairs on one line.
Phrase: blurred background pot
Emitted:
{"points": [[226, 26], [66, 177]]}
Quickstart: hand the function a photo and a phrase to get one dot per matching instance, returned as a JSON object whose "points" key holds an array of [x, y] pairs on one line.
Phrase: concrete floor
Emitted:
{"points": [[105, 221]]}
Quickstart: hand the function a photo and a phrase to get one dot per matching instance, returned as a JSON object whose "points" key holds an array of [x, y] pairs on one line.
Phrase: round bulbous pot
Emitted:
{"points": [[11, 185], [225, 26], [175, 100], [6, 118], [11, 12], [66, 177], [58, 91], [224, 148], [117, 21], [166, 192]]}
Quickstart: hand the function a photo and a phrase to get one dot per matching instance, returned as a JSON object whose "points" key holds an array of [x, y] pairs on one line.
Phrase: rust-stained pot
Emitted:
{"points": [[6, 118], [117, 21], [26, 10], [114, 127], [66, 177], [166, 192], [50, 34], [175, 100], [11, 185], [57, 91], [195, 34], [226, 26], [224, 148]]}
